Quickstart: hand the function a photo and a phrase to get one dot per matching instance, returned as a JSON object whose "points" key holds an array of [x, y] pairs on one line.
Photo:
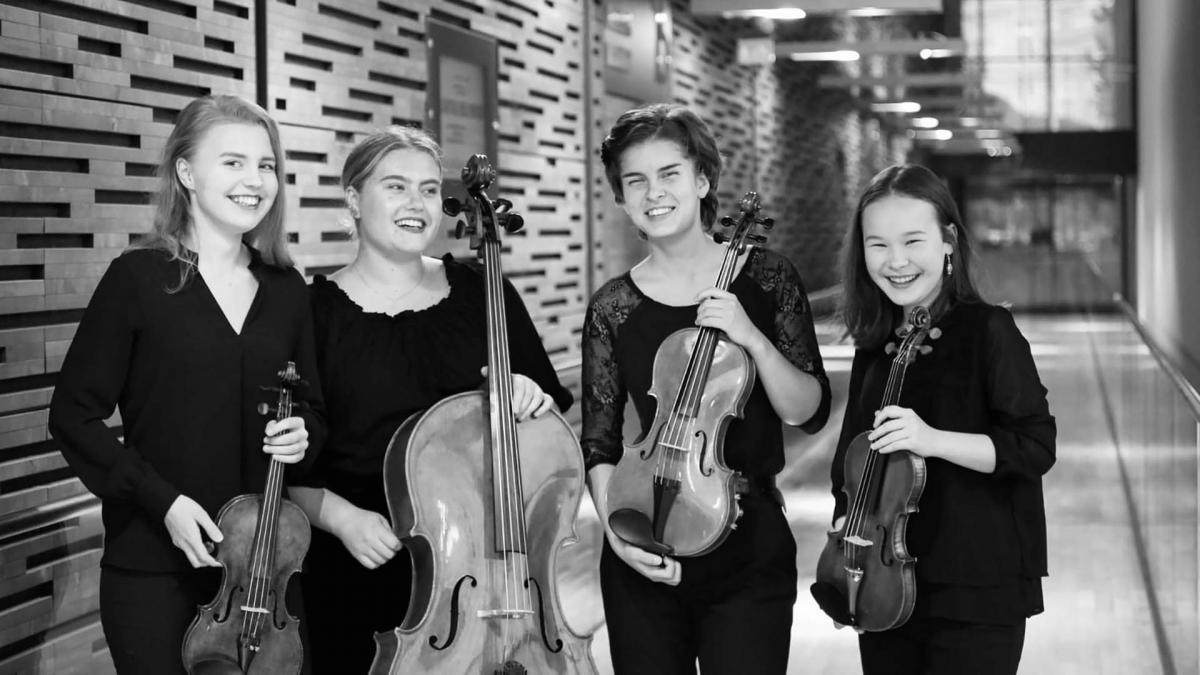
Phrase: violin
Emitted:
{"points": [[671, 492], [247, 627], [482, 524], [866, 577]]}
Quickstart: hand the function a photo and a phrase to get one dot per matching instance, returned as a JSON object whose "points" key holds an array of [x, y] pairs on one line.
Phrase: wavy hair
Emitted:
{"points": [[671, 122], [869, 315]]}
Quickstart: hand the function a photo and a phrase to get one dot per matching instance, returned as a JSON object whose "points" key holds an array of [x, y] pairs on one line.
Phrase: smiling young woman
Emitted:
{"points": [[396, 331], [180, 334], [973, 407], [731, 609]]}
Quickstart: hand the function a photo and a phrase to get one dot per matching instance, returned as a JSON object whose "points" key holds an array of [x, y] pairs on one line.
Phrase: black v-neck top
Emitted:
{"points": [[187, 387], [624, 327], [378, 369]]}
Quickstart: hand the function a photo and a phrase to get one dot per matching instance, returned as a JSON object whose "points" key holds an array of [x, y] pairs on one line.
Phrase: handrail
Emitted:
{"points": [[1160, 355], [1164, 361]]}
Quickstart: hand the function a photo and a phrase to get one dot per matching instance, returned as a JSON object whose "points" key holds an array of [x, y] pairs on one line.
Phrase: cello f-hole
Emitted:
{"points": [[433, 639]]}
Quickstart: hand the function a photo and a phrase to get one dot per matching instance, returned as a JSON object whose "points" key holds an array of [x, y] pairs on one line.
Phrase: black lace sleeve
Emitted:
{"points": [[604, 394], [794, 335]]}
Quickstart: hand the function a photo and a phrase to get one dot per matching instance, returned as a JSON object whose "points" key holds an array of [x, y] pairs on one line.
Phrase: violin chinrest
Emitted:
{"points": [[634, 527], [832, 602]]}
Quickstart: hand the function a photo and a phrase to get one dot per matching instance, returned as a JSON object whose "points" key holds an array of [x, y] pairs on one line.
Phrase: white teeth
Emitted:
{"points": [[902, 280], [246, 200], [659, 211], [411, 223]]}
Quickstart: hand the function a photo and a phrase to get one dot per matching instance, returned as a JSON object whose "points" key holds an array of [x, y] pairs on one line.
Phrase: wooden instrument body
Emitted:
{"points": [[218, 634], [687, 448], [438, 475], [887, 591]]}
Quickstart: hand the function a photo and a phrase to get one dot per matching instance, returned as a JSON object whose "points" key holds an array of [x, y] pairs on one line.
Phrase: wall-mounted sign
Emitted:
{"points": [[462, 110], [637, 49]]}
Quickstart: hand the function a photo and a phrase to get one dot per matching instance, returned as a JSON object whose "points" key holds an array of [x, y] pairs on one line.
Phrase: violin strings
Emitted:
{"points": [[891, 394]]}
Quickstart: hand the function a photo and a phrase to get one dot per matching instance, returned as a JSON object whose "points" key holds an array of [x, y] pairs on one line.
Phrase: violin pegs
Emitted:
{"points": [[264, 409], [925, 349], [726, 221], [890, 348], [935, 333], [460, 229], [720, 237], [767, 223]]}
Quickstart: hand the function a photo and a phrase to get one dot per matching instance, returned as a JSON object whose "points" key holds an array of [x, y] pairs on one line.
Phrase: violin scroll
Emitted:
{"points": [[743, 227]]}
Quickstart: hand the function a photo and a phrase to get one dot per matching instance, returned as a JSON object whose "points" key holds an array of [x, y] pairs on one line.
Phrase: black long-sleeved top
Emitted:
{"points": [[979, 539], [624, 328], [187, 387], [377, 370]]}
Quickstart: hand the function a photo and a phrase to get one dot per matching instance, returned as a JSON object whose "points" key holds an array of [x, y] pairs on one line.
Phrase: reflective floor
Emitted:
{"points": [[1098, 617]]}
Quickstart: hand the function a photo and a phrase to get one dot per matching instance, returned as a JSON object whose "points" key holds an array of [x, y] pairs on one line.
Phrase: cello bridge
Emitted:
{"points": [[503, 613]]}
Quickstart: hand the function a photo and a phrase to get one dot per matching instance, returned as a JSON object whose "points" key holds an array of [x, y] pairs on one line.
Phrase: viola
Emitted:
{"points": [[671, 492], [247, 628], [483, 506], [866, 577]]}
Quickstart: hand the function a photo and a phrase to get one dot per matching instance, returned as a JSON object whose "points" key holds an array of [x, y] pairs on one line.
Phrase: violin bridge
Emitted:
{"points": [[256, 610], [858, 541]]}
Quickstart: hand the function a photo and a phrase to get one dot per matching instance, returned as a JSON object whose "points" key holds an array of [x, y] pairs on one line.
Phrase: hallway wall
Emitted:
{"points": [[1168, 221]]}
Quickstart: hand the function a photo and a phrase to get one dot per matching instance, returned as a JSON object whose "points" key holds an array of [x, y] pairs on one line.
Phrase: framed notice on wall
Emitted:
{"points": [[637, 49], [461, 107]]}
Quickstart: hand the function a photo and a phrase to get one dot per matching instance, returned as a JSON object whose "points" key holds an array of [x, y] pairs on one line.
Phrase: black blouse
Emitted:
{"points": [[624, 327], [187, 387], [979, 539], [377, 370]]}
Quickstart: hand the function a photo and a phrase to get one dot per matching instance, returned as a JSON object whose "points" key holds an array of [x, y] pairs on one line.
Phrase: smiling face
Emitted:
{"points": [[400, 204], [661, 189], [231, 178], [904, 249]]}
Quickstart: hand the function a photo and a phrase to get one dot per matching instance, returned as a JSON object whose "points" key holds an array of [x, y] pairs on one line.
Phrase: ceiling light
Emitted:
{"points": [[897, 107], [924, 122], [780, 14], [836, 55]]}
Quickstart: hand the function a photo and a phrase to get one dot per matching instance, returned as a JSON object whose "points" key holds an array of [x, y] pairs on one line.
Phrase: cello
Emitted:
{"points": [[247, 627], [866, 577], [671, 492], [482, 524]]}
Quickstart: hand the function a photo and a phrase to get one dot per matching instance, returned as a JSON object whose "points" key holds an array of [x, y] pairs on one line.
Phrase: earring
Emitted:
{"points": [[949, 266]]}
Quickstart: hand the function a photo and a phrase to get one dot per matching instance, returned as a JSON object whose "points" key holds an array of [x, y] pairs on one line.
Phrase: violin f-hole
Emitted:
{"points": [[433, 639], [704, 453]]}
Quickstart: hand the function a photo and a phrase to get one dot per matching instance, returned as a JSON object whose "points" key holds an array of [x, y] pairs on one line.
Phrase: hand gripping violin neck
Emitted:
{"points": [[484, 505], [247, 628], [671, 492]]}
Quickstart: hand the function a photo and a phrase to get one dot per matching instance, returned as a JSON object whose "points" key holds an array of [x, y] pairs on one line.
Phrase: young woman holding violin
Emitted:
{"points": [[396, 331], [180, 334], [973, 407], [731, 608]]}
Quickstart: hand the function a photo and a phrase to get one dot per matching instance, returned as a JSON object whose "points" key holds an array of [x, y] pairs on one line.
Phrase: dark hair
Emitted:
{"points": [[172, 216], [671, 122], [869, 315]]}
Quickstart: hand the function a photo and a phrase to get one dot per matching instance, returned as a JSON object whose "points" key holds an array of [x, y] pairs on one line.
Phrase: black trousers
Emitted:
{"points": [[145, 615], [732, 610], [930, 646]]}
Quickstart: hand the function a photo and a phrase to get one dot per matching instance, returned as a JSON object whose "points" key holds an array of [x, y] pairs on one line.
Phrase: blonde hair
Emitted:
{"points": [[172, 215]]}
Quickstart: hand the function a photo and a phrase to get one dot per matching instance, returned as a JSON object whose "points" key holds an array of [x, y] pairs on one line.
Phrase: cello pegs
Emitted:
{"points": [[512, 222], [451, 206], [460, 229]]}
